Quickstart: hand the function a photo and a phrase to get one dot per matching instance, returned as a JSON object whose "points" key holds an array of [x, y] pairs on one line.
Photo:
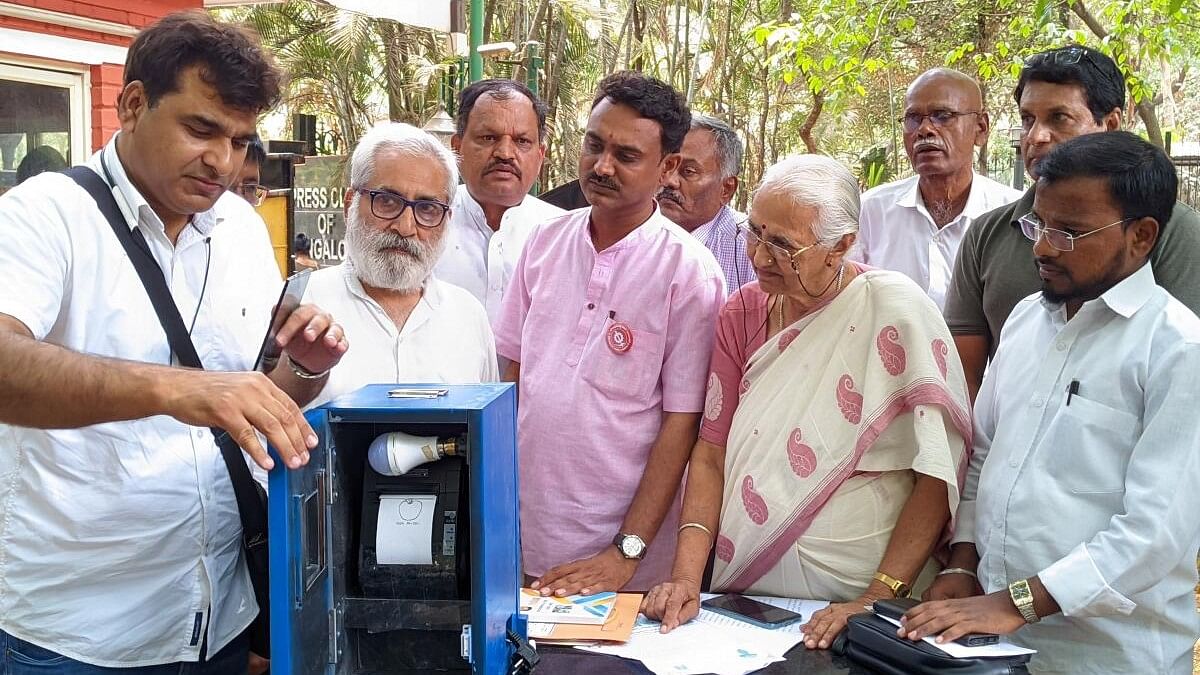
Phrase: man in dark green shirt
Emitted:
{"points": [[1062, 93]]}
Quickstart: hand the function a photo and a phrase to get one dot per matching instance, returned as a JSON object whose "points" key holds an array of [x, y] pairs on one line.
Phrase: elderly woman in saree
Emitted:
{"points": [[836, 426]]}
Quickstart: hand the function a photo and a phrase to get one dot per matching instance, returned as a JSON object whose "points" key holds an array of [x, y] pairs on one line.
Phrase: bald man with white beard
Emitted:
{"points": [[405, 326], [915, 225]]}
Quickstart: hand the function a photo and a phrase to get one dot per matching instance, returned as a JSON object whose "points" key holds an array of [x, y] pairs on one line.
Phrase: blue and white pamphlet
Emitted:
{"points": [[584, 609]]}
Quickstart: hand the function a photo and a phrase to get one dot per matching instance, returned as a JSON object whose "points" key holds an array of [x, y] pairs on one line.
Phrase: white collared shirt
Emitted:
{"points": [[480, 260], [1099, 498], [446, 339], [896, 232], [120, 542]]}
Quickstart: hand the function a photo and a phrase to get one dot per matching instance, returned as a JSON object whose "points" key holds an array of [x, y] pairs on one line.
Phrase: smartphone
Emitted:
{"points": [[751, 611], [895, 608], [289, 299]]}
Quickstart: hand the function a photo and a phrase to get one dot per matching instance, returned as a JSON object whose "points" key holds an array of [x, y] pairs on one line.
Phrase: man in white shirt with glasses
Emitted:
{"points": [[1079, 514], [915, 225], [407, 325]]}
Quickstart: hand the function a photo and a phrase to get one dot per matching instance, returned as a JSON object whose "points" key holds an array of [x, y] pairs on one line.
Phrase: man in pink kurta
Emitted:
{"points": [[611, 329]]}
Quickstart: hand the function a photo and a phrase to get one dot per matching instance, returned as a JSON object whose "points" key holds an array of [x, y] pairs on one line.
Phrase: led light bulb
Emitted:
{"points": [[397, 453]]}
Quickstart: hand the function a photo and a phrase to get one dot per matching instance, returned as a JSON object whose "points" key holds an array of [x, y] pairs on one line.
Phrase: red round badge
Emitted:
{"points": [[620, 338]]}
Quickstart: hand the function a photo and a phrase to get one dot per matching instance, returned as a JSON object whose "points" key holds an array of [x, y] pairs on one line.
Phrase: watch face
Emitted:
{"points": [[632, 546]]}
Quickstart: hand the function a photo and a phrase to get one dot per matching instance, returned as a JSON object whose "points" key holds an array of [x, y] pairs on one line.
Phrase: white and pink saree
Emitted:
{"points": [[862, 387]]}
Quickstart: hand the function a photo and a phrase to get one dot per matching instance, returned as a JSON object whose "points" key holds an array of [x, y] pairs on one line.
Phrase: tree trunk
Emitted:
{"points": [[1146, 110], [489, 17], [392, 69], [982, 158], [985, 44], [609, 64], [639, 29], [810, 122]]}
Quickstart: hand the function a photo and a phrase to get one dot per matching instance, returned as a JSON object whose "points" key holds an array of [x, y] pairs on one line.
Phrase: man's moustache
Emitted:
{"points": [[606, 182], [512, 168], [671, 195], [405, 244]]}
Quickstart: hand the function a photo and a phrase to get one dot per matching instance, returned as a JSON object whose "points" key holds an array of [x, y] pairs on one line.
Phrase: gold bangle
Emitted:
{"points": [[698, 526]]}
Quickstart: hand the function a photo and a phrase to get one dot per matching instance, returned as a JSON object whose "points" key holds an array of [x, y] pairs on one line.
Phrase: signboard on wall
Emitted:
{"points": [[319, 190]]}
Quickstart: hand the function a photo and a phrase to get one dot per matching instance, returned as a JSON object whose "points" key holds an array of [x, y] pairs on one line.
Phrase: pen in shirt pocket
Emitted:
{"points": [[1072, 390]]}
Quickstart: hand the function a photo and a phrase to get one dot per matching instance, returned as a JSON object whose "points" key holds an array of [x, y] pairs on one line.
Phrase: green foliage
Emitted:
{"points": [[789, 75]]}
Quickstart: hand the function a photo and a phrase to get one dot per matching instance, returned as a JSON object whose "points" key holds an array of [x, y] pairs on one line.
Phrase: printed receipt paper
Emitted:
{"points": [[404, 534]]}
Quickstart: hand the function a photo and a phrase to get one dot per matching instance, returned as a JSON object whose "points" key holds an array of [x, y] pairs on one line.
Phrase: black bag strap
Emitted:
{"points": [[250, 504]]}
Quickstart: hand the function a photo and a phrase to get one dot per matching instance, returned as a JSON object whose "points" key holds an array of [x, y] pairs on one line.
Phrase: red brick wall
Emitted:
{"points": [[106, 78], [106, 86]]}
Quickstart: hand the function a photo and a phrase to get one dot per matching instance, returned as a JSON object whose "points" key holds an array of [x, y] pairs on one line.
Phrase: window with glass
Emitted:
{"points": [[41, 122]]}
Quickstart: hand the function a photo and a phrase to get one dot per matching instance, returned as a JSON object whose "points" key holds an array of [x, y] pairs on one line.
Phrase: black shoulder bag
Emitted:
{"points": [[872, 642], [251, 498]]}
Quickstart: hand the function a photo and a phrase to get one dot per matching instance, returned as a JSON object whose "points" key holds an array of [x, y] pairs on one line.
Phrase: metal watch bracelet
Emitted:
{"points": [[1022, 597]]}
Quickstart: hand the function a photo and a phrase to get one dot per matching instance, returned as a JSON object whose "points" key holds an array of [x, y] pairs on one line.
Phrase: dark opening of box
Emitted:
{"points": [[399, 618]]}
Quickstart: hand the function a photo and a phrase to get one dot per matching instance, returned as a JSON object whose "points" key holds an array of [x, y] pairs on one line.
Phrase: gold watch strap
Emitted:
{"points": [[899, 588], [1022, 597]]}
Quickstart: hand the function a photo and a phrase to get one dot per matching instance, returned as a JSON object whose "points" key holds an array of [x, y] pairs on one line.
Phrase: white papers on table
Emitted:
{"points": [[403, 534], [1001, 648], [712, 643]]}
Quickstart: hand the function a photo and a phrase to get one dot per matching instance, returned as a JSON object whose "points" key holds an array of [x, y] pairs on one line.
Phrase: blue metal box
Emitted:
{"points": [[331, 614]]}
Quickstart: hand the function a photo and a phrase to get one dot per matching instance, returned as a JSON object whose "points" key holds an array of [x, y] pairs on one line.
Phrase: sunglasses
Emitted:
{"points": [[1065, 56]]}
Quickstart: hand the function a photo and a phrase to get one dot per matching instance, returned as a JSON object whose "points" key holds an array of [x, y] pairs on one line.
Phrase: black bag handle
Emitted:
{"points": [[250, 504]]}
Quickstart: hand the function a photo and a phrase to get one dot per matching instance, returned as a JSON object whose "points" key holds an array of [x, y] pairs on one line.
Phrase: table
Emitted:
{"points": [[568, 661]]}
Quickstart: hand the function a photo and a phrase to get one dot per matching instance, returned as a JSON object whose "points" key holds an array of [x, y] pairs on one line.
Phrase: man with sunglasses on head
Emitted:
{"points": [[915, 225], [408, 326], [1078, 517], [1061, 94]]}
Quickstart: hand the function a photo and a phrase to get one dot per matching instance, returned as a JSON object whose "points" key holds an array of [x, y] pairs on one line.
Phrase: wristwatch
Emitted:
{"points": [[1022, 597], [631, 546], [899, 588]]}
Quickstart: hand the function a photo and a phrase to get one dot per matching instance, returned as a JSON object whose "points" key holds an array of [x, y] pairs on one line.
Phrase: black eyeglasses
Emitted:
{"points": [[388, 205], [1065, 56], [940, 118], [252, 192]]}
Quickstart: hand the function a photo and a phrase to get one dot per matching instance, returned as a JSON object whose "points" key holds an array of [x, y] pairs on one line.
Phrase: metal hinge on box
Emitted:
{"points": [[465, 643], [333, 635]]}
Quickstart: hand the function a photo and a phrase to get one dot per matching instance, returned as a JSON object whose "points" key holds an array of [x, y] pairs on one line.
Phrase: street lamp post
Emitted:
{"points": [[441, 125]]}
